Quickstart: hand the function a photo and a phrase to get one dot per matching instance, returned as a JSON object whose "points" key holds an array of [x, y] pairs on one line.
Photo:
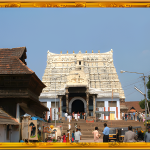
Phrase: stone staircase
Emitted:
{"points": [[87, 128]]}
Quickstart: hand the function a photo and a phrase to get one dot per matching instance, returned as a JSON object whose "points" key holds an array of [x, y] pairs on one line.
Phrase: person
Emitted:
{"points": [[133, 115], [78, 127], [73, 137], [130, 136], [85, 116], [147, 135], [106, 133], [144, 117], [77, 135], [122, 116], [64, 138], [72, 115], [139, 116], [80, 115], [80, 133], [126, 116], [96, 135], [66, 116], [34, 129], [39, 132], [67, 136], [49, 120], [76, 117]]}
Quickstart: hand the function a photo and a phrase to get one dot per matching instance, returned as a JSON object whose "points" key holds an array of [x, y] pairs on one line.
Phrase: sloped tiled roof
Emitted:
{"points": [[7, 119], [134, 104], [10, 62]]}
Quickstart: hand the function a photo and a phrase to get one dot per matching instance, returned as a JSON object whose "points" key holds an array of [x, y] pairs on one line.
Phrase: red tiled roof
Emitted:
{"points": [[5, 118], [10, 62], [134, 104]]}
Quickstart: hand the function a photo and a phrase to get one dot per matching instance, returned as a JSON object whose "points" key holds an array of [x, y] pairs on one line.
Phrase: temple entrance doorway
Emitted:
{"points": [[77, 106]]}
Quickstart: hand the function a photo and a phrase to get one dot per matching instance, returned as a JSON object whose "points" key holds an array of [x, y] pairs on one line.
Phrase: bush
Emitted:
{"points": [[54, 140]]}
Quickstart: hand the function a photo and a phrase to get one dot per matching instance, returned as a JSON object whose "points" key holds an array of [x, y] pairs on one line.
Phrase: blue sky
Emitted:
{"points": [[125, 30]]}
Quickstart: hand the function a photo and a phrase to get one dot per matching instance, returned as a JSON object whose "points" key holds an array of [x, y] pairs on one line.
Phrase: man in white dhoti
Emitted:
{"points": [[68, 118], [76, 117]]}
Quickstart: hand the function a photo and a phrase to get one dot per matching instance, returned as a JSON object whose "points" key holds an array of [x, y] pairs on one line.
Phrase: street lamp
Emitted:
{"points": [[141, 93], [55, 93]]}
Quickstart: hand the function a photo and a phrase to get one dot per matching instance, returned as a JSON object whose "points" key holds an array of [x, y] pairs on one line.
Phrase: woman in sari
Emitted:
{"points": [[64, 138]]}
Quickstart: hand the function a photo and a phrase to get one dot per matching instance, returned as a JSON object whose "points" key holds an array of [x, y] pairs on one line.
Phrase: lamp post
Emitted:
{"points": [[143, 94], [55, 93]]}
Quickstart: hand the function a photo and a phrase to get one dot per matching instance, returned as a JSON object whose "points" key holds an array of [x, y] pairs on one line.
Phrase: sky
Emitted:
{"points": [[125, 30]]}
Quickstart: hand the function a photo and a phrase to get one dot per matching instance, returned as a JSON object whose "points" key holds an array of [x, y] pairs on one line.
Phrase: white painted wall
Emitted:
{"points": [[106, 100], [118, 105], [49, 106], [113, 109], [53, 114], [49, 101], [106, 108], [14, 134], [101, 109]]}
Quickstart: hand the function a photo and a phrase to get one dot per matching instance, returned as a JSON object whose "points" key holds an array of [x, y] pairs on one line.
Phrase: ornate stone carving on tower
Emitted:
{"points": [[93, 71], [97, 69]]}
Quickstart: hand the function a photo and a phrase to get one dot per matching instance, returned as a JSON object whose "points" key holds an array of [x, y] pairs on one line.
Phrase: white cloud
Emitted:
{"points": [[146, 52]]}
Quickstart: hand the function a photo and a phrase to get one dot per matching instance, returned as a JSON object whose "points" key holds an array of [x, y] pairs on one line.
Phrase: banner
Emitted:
{"points": [[32, 130]]}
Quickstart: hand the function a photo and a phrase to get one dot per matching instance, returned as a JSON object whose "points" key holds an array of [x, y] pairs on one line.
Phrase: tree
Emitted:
{"points": [[142, 104], [148, 87]]}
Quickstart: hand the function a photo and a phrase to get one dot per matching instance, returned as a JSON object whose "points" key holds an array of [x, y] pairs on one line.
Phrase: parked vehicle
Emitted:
{"points": [[113, 134]]}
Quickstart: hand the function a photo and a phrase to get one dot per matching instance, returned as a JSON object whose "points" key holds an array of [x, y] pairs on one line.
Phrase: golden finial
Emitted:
{"points": [[92, 51], [85, 51], [67, 52], [73, 52], [61, 52]]}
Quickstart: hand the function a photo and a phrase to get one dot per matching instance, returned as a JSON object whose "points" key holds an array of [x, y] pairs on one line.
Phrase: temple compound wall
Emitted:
{"points": [[82, 82]]}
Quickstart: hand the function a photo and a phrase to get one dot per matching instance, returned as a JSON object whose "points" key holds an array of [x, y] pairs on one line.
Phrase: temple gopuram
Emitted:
{"points": [[82, 82]]}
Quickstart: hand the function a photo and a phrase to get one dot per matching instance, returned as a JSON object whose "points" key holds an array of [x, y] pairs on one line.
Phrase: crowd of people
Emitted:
{"points": [[75, 136], [75, 116], [130, 136], [137, 116]]}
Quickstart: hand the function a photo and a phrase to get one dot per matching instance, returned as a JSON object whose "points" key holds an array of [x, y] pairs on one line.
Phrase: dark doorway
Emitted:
{"points": [[77, 106]]}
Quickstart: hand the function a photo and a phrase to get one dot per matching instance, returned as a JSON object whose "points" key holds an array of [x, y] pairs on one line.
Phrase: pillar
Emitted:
{"points": [[18, 112], [60, 106], [94, 106], [87, 103]]}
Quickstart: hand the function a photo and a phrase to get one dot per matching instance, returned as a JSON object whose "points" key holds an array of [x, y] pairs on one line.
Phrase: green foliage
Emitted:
{"points": [[142, 104], [54, 140], [148, 87]]}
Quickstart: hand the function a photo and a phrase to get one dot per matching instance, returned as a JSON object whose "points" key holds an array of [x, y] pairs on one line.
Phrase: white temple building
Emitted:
{"points": [[83, 82]]}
